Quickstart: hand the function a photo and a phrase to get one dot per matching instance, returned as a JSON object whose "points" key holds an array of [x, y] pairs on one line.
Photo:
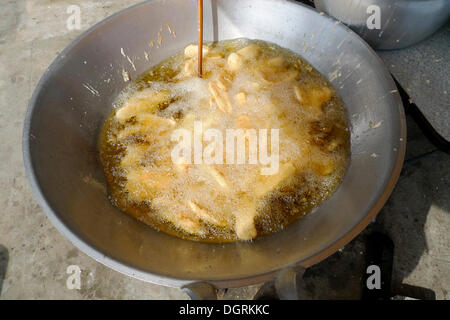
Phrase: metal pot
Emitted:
{"points": [[75, 95], [402, 22]]}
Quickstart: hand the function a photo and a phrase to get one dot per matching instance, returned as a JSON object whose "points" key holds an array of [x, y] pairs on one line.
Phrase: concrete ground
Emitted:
{"points": [[34, 256]]}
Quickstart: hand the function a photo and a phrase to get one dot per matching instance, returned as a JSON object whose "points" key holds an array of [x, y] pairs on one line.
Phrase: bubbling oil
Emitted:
{"points": [[246, 84]]}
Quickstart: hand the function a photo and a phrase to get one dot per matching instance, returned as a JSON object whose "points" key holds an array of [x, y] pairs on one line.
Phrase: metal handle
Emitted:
{"points": [[200, 291], [286, 283], [284, 287]]}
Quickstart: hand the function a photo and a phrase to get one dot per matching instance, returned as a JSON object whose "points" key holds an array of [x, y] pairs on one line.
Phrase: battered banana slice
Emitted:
{"points": [[266, 184], [134, 155], [221, 97], [245, 220], [224, 80], [190, 67], [189, 225], [143, 183], [146, 125], [205, 215], [241, 98], [271, 75], [235, 62], [243, 121], [217, 175], [251, 51], [313, 98], [145, 101], [323, 168], [191, 51]]}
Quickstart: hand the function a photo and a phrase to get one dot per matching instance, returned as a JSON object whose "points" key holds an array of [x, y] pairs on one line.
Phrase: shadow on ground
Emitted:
{"points": [[423, 183], [3, 265]]}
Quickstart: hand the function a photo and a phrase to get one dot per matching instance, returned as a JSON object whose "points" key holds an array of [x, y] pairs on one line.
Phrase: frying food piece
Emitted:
{"points": [[272, 75], [236, 59], [241, 98], [313, 98], [235, 62], [268, 183], [134, 155], [323, 168], [220, 97], [189, 225], [142, 184], [190, 67], [191, 51], [224, 81], [205, 215], [276, 62], [245, 220], [249, 52], [217, 175], [146, 101], [243, 121], [147, 124]]}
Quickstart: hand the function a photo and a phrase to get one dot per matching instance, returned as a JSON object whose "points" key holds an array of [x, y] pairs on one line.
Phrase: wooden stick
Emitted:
{"points": [[200, 37]]}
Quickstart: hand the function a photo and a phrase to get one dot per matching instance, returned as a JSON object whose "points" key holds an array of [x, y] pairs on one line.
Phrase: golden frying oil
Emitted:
{"points": [[290, 200]]}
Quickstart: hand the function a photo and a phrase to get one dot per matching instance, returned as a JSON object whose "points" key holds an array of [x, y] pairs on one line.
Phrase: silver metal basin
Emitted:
{"points": [[402, 22], [75, 95]]}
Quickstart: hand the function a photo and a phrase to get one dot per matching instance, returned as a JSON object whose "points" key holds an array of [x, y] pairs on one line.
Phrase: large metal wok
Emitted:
{"points": [[76, 93]]}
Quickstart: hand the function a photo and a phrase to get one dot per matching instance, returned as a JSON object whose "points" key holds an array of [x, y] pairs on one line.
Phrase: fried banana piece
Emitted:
{"points": [[217, 176], [267, 184], [189, 225], [236, 60], [205, 215], [145, 101], [134, 155], [314, 98], [191, 51], [148, 124], [224, 81], [241, 98], [245, 220], [323, 168], [179, 215], [243, 121], [221, 97], [142, 184], [272, 75], [249, 52], [277, 62], [190, 67]]}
